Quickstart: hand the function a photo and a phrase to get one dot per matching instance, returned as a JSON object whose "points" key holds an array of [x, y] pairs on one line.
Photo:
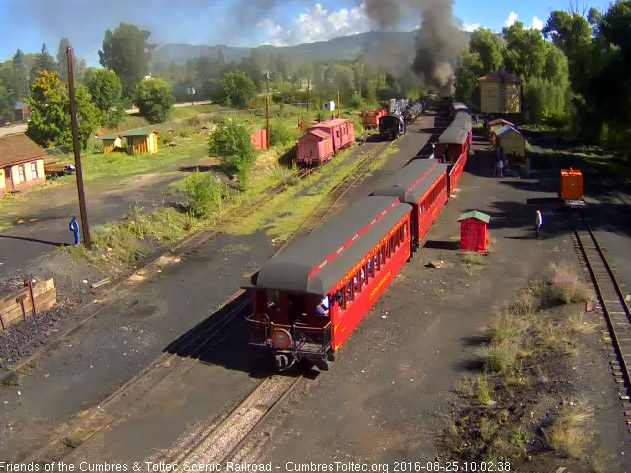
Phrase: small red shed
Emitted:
{"points": [[473, 231]]}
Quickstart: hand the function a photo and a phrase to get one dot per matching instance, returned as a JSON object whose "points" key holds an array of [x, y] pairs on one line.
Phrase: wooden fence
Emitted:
{"points": [[34, 298]]}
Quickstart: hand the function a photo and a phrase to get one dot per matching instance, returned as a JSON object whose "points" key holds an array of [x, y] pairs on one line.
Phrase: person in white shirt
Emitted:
{"points": [[538, 222], [322, 309]]}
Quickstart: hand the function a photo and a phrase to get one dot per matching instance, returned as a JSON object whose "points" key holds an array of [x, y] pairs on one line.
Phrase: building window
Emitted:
{"points": [[21, 171], [34, 170]]}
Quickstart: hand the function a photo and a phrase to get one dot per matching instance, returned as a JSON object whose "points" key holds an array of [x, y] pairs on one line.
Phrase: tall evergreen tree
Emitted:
{"points": [[127, 51], [62, 61]]}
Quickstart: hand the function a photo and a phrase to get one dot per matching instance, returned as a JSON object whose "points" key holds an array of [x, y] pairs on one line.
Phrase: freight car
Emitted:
{"points": [[370, 118], [323, 141], [308, 299]]}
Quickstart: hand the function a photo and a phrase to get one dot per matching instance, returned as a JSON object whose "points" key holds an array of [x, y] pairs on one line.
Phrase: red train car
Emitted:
{"points": [[344, 266], [370, 118], [422, 184], [342, 132], [453, 147], [315, 147], [324, 140]]}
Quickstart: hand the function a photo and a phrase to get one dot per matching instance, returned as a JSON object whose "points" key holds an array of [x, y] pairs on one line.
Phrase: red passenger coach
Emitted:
{"points": [[309, 298], [453, 147], [422, 184]]}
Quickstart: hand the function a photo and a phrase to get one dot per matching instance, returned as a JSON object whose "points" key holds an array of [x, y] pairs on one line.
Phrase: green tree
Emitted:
{"points": [[489, 47], [106, 91], [237, 89], [62, 59], [525, 51], [470, 67], [154, 99], [19, 83], [5, 103], [231, 143], [49, 122], [127, 52], [43, 62]]}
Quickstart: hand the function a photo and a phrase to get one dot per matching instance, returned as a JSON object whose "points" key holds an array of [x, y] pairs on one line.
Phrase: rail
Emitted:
{"points": [[610, 296], [211, 333]]}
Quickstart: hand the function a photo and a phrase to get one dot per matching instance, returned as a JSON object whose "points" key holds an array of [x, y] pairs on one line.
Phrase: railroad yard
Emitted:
{"points": [[153, 375], [386, 239]]}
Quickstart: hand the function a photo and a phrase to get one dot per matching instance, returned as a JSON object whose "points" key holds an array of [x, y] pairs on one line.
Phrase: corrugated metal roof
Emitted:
{"points": [[497, 121], [17, 105], [317, 262], [16, 149], [506, 129], [475, 214], [138, 133], [112, 136]]}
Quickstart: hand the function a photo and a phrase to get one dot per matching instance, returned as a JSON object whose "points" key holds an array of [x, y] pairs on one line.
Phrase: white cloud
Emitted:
{"points": [[469, 27], [536, 24], [512, 18], [317, 24]]}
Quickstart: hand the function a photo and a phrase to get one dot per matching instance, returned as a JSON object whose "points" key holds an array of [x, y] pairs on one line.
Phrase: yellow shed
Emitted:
{"points": [[141, 141], [500, 92], [112, 142], [511, 141]]}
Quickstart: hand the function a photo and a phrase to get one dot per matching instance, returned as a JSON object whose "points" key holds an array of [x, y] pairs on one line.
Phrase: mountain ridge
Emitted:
{"points": [[339, 48]]}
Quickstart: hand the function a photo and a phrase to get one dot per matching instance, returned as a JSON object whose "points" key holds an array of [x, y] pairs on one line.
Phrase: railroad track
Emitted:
{"points": [[611, 301], [185, 352], [334, 198], [223, 441]]}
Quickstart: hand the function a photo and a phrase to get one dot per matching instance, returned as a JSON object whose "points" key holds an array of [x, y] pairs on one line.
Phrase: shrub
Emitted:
{"points": [[568, 432], [500, 357], [154, 99], [231, 142], [204, 193], [566, 286], [280, 134]]}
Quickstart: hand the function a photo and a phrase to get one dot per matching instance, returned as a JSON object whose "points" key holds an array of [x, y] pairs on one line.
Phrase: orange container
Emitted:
{"points": [[571, 184]]}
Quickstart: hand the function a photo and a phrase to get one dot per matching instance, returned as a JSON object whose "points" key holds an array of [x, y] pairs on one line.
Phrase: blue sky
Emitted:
{"points": [[26, 24]]}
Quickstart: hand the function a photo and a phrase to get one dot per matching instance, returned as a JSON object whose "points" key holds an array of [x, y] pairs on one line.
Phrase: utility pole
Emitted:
{"points": [[267, 128], [308, 87], [77, 153], [339, 105]]}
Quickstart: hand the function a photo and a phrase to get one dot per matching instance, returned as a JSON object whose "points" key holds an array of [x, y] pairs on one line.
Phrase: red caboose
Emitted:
{"points": [[341, 131], [423, 184], [308, 299], [314, 148], [324, 140]]}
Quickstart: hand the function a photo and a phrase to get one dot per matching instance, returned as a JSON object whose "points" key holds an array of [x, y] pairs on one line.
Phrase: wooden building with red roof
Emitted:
{"points": [[21, 163]]}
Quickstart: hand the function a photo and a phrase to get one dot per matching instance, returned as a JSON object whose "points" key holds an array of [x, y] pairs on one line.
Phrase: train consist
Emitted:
{"points": [[401, 113], [308, 299], [324, 140]]}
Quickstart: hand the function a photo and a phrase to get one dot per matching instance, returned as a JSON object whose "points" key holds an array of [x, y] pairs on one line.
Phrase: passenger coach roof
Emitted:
{"points": [[411, 182], [455, 134], [317, 262]]}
